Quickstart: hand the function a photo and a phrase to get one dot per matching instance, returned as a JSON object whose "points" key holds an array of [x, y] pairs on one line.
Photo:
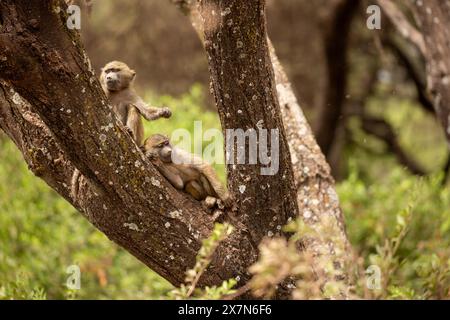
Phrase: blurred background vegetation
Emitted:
{"points": [[388, 152]]}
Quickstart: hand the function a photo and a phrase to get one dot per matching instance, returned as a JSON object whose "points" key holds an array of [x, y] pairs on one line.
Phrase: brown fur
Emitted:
{"points": [[194, 176], [117, 83]]}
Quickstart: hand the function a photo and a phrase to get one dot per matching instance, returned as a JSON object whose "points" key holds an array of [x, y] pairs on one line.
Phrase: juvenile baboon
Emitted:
{"points": [[117, 82], [190, 173]]}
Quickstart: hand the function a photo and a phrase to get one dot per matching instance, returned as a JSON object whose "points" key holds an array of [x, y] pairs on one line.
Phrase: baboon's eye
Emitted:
{"points": [[112, 70]]}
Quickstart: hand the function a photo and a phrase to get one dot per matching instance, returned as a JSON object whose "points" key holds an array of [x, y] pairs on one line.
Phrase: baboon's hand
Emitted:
{"points": [[165, 112], [227, 201]]}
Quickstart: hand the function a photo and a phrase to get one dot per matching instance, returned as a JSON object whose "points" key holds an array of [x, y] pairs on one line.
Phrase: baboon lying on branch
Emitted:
{"points": [[186, 171]]}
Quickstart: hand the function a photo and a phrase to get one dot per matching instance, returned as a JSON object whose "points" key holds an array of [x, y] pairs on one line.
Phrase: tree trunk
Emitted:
{"points": [[53, 108], [55, 111], [434, 20]]}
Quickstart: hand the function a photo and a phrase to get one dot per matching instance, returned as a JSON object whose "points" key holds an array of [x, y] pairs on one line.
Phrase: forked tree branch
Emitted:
{"points": [[55, 111]]}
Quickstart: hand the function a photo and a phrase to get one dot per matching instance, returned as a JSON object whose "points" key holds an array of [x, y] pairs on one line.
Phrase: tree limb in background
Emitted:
{"points": [[336, 42], [446, 171], [432, 42], [378, 127]]}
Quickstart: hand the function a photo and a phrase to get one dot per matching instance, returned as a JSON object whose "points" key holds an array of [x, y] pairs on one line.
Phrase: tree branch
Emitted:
{"points": [[434, 21], [383, 131], [46, 160], [415, 71], [406, 29], [239, 52], [336, 40]]}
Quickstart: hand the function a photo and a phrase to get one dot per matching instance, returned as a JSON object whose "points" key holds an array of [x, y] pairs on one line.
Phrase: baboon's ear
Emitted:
{"points": [[133, 74]]}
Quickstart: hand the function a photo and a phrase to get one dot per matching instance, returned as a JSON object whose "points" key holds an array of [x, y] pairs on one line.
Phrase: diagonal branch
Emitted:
{"points": [[383, 131]]}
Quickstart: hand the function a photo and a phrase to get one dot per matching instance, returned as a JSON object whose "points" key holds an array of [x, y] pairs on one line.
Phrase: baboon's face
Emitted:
{"points": [[116, 76], [158, 147]]}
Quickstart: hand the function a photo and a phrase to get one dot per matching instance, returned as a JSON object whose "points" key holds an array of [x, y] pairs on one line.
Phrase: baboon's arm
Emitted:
{"points": [[208, 171], [151, 113], [171, 174]]}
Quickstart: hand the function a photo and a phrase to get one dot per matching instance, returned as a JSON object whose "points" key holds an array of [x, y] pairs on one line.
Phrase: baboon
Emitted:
{"points": [[190, 173], [117, 82]]}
